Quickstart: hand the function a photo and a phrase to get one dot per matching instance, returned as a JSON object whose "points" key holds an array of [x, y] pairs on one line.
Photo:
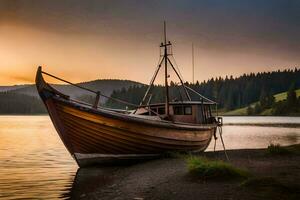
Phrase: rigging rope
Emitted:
{"points": [[92, 91], [152, 81], [176, 65], [203, 97], [99, 93]]}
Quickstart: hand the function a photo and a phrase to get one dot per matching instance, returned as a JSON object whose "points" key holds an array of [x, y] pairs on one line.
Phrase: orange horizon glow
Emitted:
{"points": [[78, 45], [24, 49]]}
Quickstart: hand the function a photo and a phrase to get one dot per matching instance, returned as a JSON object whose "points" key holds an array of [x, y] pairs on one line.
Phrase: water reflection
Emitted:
{"points": [[261, 120], [255, 137], [35, 164], [90, 180], [33, 161]]}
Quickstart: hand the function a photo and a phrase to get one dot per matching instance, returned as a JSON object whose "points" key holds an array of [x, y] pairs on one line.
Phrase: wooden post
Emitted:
{"points": [[97, 100], [202, 111]]}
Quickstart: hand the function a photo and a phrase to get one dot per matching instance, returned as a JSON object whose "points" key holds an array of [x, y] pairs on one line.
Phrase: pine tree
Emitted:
{"points": [[250, 110], [291, 96]]}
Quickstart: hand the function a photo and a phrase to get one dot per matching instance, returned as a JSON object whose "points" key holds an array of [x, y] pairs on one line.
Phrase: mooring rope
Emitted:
{"points": [[215, 137], [220, 132]]}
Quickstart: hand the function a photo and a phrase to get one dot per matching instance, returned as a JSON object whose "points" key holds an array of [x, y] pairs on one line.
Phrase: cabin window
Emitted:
{"points": [[178, 110], [182, 110], [204, 114], [188, 110]]}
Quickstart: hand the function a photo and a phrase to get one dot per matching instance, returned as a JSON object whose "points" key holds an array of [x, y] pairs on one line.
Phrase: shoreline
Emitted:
{"points": [[288, 125], [220, 114], [41, 114], [168, 178], [269, 124]]}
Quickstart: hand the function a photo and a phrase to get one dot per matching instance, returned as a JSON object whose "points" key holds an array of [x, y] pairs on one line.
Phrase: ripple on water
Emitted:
{"points": [[35, 164]]}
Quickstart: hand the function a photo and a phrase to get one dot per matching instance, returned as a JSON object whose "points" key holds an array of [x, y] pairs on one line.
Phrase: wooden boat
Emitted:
{"points": [[95, 134]]}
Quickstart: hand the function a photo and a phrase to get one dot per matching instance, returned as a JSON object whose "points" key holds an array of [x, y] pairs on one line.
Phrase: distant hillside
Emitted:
{"points": [[13, 103], [243, 111], [106, 86], [230, 93], [9, 88], [24, 99]]}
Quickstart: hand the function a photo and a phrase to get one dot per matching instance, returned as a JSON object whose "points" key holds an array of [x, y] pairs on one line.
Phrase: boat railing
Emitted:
{"points": [[98, 94]]}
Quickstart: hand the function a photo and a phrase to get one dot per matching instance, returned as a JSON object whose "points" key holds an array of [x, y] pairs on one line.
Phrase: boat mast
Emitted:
{"points": [[166, 68], [165, 60]]}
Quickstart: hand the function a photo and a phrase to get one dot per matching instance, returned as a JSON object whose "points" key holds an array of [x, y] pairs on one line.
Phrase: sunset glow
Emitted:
{"points": [[108, 40]]}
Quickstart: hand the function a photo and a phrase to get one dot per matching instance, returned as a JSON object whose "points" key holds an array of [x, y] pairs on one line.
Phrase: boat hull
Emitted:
{"points": [[86, 133], [98, 135]]}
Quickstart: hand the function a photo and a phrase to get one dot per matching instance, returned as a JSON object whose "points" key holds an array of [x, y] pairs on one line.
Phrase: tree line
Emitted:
{"points": [[288, 106], [229, 92], [14, 103]]}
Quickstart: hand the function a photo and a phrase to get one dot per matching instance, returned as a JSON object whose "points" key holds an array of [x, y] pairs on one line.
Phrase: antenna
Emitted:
{"points": [[193, 63], [165, 33]]}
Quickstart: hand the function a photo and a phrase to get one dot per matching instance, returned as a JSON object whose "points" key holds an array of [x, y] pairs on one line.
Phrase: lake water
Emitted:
{"points": [[261, 120], [35, 164]]}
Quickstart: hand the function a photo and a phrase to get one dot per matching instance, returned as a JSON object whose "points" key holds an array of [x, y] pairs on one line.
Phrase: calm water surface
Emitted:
{"points": [[261, 120], [33, 160], [35, 164]]}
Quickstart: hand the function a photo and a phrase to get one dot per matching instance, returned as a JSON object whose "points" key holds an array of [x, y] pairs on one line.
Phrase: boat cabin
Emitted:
{"points": [[194, 112]]}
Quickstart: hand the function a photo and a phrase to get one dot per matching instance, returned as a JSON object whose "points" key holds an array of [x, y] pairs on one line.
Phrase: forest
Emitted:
{"points": [[229, 92], [269, 105], [14, 103]]}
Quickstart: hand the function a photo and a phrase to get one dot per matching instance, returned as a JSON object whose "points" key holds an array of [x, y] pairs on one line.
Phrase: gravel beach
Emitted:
{"points": [[272, 177]]}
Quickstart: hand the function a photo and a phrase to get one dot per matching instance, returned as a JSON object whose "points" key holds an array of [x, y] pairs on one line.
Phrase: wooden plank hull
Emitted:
{"points": [[87, 133], [101, 135]]}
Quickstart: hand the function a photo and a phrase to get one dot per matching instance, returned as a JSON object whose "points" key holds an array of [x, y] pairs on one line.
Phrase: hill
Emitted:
{"points": [[243, 111], [24, 99], [9, 88], [231, 93], [106, 86]]}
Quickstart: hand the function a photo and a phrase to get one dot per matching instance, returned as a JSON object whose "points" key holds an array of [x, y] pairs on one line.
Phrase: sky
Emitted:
{"points": [[110, 39]]}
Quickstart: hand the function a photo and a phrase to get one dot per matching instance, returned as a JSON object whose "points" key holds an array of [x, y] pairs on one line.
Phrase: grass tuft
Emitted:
{"points": [[214, 169], [277, 149]]}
